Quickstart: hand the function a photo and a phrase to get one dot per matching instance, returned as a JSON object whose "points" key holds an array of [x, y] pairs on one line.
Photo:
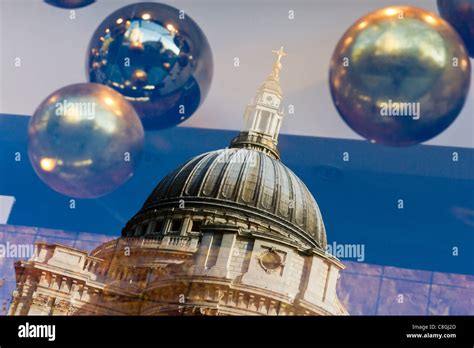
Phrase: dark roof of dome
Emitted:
{"points": [[249, 178]]}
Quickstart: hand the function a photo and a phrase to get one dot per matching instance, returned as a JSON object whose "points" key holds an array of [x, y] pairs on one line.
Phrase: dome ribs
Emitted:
{"points": [[267, 186], [162, 187], [291, 198], [213, 175], [298, 200], [185, 191], [195, 183], [231, 181], [175, 187], [277, 190], [240, 179]]}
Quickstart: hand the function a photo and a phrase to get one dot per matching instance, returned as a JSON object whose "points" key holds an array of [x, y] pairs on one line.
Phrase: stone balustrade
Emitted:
{"points": [[167, 242]]}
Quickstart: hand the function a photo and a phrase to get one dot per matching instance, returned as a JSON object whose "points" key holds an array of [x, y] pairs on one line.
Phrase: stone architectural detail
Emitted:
{"points": [[230, 232]]}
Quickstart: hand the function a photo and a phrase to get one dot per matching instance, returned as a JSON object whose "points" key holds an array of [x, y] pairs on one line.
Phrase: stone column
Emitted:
{"points": [[185, 226], [221, 268], [316, 282], [203, 253], [330, 293]]}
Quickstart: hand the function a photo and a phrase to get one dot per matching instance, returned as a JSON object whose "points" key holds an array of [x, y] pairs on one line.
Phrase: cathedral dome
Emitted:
{"points": [[247, 181], [246, 185]]}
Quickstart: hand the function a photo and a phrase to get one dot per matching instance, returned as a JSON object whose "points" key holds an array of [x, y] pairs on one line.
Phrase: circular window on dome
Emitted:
{"points": [[270, 260]]}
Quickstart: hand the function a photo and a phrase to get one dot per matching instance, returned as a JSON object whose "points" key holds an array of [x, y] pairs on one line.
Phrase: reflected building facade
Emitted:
{"points": [[230, 232]]}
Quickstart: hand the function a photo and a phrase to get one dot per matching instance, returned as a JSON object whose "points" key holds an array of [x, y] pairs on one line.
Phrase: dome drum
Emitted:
{"points": [[211, 213]]}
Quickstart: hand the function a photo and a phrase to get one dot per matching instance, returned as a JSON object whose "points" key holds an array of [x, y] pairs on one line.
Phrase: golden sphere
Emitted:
{"points": [[85, 140], [399, 75]]}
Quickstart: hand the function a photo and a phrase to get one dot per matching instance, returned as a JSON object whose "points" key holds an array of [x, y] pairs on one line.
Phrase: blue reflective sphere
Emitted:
{"points": [[157, 57], [460, 14], [85, 140], [70, 4]]}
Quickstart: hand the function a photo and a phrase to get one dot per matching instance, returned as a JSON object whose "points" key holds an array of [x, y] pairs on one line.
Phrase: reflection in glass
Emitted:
{"points": [[399, 76], [85, 140], [70, 4], [157, 57]]}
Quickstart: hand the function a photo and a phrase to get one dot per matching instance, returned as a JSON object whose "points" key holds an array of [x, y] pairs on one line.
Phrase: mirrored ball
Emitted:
{"points": [[460, 14], [157, 57], [69, 4], [399, 76], [85, 140]]}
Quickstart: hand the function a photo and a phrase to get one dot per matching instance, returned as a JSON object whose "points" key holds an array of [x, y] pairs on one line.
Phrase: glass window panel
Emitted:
{"points": [[158, 226], [175, 225], [196, 226]]}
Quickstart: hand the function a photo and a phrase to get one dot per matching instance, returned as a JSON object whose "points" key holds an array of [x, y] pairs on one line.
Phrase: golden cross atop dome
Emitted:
{"points": [[280, 54], [277, 65]]}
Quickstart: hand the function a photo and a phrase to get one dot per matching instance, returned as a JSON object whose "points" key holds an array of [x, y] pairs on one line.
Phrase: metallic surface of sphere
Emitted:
{"points": [[399, 76], [84, 140], [460, 14], [157, 57], [69, 4]]}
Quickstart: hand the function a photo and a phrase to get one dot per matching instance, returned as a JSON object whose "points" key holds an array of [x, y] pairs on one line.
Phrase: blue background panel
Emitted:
{"points": [[358, 198]]}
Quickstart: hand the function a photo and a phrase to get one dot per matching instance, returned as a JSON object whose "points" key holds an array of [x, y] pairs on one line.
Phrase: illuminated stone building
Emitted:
{"points": [[230, 232]]}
